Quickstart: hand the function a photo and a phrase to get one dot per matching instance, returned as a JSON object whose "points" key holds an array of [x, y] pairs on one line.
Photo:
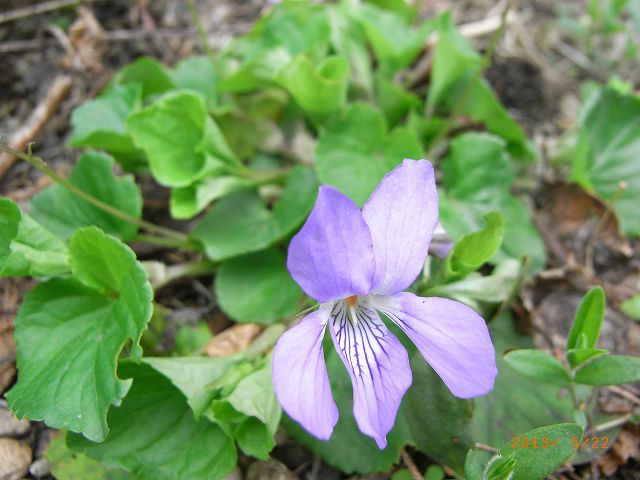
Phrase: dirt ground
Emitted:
{"points": [[535, 72]]}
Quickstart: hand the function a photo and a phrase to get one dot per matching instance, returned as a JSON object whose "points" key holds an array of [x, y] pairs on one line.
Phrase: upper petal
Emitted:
{"points": [[451, 336], [401, 213], [332, 255], [378, 366], [300, 375]]}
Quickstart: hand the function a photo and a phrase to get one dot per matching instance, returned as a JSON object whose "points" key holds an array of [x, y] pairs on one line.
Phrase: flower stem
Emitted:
{"points": [[189, 269], [42, 166]]}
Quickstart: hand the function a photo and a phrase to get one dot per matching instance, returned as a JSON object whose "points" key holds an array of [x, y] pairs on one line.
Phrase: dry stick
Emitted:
{"points": [[202, 36], [622, 392], [36, 122], [408, 461], [42, 166], [486, 448], [37, 9], [604, 218], [608, 425]]}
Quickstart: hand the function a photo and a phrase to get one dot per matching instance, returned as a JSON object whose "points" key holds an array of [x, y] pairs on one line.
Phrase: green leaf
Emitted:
{"points": [[62, 212], [605, 159], [27, 249], [478, 176], [577, 356], [254, 438], [631, 307], [610, 370], [254, 396], [68, 465], [241, 223], [320, 89], [396, 44], [348, 40], [298, 27], [100, 123], [474, 249], [291, 28], [434, 472], [197, 74], [355, 151], [440, 424], [69, 336], [196, 377], [187, 202], [180, 139], [348, 449], [500, 468], [476, 287], [588, 320], [537, 463], [10, 217], [539, 365], [474, 464], [155, 436], [455, 64], [231, 393], [191, 339], [403, 474], [258, 72], [257, 288], [394, 100], [35, 252], [517, 403], [150, 74]]}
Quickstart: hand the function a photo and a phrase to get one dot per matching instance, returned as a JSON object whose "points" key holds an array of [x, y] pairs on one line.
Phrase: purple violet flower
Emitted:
{"points": [[356, 263]]}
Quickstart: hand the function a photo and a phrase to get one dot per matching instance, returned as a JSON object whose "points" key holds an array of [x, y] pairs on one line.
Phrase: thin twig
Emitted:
{"points": [[408, 461], [624, 393], [37, 9], [604, 218], [478, 29], [36, 121], [486, 448], [202, 35], [609, 425], [42, 166]]}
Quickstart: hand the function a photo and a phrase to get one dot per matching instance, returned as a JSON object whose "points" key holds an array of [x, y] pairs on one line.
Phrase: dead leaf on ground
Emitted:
{"points": [[232, 340], [9, 298], [88, 41], [626, 446]]}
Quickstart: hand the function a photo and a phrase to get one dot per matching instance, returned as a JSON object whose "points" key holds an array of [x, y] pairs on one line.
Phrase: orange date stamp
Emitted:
{"points": [[546, 442]]}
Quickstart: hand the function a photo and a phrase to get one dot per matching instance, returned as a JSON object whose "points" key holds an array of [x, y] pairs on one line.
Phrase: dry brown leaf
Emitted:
{"points": [[88, 41], [626, 446], [233, 339], [9, 298]]}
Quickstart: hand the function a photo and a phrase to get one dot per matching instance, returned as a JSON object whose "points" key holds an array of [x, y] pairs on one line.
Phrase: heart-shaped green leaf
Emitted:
{"points": [[70, 332], [155, 436]]}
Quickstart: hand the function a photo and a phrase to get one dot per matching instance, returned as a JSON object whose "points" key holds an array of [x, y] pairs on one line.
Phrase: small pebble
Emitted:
{"points": [[15, 458], [10, 426], [40, 468]]}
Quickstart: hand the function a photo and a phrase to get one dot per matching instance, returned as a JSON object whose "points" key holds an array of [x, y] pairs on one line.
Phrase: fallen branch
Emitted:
{"points": [[36, 122], [37, 9]]}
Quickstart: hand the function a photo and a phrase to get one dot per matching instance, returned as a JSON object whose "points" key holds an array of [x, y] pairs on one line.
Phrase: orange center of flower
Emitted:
{"points": [[352, 300]]}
